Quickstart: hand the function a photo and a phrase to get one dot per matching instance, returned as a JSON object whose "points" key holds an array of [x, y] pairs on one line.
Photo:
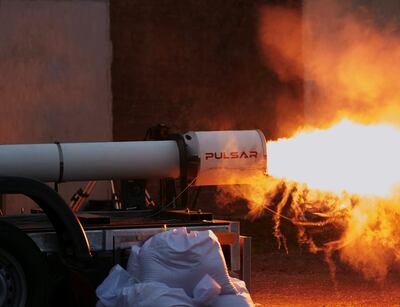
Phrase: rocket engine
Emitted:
{"points": [[209, 158]]}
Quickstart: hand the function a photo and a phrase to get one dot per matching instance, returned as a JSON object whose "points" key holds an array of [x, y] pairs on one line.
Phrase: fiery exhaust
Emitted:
{"points": [[347, 175], [347, 157], [342, 180], [339, 177]]}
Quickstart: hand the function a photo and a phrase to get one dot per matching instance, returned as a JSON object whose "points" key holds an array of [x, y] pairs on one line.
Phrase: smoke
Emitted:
{"points": [[346, 57]]}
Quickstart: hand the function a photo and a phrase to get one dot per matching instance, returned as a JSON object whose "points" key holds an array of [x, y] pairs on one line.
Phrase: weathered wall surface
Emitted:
{"points": [[55, 59], [195, 65], [192, 65]]}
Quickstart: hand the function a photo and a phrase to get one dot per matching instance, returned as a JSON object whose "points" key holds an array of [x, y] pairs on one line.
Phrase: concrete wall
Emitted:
{"points": [[55, 59]]}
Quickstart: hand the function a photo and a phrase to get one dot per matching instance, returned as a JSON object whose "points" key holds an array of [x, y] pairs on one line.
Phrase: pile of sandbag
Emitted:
{"points": [[174, 268]]}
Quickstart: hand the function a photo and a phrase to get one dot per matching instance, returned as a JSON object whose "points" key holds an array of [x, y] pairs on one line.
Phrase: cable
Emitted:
{"points": [[280, 215], [175, 198], [299, 223]]}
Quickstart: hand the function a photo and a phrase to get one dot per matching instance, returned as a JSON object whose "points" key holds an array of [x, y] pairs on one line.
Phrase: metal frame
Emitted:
{"points": [[117, 241], [76, 244], [245, 255], [71, 237]]}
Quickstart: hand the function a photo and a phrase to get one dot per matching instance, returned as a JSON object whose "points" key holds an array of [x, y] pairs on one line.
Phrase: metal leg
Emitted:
{"points": [[245, 257]]}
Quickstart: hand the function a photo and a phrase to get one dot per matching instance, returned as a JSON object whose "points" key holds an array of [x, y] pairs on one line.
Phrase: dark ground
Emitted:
{"points": [[303, 279]]}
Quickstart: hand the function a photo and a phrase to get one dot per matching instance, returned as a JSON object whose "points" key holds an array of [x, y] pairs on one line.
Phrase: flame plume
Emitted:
{"points": [[354, 158], [344, 178], [336, 176]]}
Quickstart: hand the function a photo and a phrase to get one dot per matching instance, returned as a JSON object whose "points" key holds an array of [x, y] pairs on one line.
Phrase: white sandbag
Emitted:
{"points": [[241, 299], [119, 289], [133, 266], [154, 294], [206, 291], [109, 291], [181, 259]]}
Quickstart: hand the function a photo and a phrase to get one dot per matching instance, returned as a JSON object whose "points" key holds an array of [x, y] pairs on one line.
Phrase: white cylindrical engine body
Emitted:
{"points": [[228, 157], [91, 161]]}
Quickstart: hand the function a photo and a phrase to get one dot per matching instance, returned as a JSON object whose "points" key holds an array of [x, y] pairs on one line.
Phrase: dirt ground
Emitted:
{"points": [[303, 279]]}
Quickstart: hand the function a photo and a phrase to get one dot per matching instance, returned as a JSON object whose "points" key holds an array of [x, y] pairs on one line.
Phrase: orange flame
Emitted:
{"points": [[347, 157], [353, 173], [343, 176]]}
